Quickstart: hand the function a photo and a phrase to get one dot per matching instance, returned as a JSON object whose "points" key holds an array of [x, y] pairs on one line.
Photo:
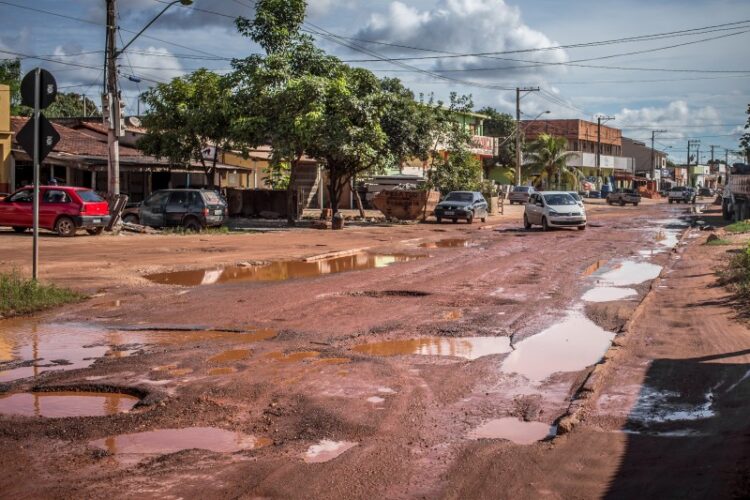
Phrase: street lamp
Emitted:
{"points": [[111, 100]]}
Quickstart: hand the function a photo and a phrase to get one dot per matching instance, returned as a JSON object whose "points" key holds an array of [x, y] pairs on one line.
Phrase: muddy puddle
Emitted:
{"points": [[570, 345], [608, 294], [629, 272], [66, 404], [596, 266], [446, 243], [281, 270], [230, 356], [163, 441], [29, 348], [327, 450], [292, 357], [465, 347], [514, 430]]}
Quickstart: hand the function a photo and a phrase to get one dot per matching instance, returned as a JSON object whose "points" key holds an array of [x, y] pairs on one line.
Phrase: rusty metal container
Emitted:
{"points": [[407, 204]]}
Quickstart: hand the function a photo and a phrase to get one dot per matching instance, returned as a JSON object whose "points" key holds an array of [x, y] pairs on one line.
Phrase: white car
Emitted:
{"points": [[554, 209]]}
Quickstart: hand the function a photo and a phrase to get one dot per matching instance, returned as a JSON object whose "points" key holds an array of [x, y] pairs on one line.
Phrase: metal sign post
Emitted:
{"points": [[35, 200]]}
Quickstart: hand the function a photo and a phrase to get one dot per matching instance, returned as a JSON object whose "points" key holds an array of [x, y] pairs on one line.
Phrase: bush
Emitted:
{"points": [[21, 296], [742, 226], [737, 275], [458, 171]]}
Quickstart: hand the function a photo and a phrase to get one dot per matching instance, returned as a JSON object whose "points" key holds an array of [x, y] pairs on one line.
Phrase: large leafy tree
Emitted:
{"points": [[457, 170], [745, 139], [547, 161], [503, 127], [185, 116], [10, 74]]}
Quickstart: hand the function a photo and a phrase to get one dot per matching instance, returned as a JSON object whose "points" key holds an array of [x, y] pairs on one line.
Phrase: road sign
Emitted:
{"points": [[47, 88], [48, 137]]}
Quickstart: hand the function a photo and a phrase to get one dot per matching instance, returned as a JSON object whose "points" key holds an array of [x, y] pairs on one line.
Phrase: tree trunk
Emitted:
{"points": [[291, 210]]}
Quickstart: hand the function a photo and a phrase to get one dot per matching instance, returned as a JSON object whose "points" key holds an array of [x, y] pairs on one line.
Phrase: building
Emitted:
{"points": [[582, 138], [6, 139], [643, 156]]}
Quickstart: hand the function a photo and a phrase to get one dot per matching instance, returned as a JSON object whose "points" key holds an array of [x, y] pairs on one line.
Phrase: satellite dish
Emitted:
{"points": [[134, 121]]}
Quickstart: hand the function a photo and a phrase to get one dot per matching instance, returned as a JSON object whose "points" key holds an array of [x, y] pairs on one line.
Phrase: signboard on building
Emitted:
{"points": [[482, 145]]}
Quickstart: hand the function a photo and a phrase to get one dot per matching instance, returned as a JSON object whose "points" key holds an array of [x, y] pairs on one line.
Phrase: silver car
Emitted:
{"points": [[520, 194], [553, 209]]}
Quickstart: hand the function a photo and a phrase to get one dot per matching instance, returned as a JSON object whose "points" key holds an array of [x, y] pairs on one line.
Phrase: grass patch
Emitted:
{"points": [[742, 226], [719, 242], [181, 231], [736, 276], [22, 296]]}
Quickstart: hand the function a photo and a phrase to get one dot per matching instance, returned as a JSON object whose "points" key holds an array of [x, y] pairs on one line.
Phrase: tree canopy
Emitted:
{"points": [[547, 161], [745, 139]]}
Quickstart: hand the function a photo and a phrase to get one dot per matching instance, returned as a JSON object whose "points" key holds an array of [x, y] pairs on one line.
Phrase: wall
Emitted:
{"points": [[5, 139]]}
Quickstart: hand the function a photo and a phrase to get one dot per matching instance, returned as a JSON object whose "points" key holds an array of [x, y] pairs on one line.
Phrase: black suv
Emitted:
{"points": [[192, 209]]}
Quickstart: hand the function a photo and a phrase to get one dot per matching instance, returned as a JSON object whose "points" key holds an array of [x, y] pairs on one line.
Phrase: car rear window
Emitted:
{"points": [[521, 189], [212, 198], [89, 195], [460, 197]]}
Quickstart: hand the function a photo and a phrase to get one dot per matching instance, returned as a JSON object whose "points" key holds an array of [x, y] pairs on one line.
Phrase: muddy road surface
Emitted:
{"points": [[398, 362]]}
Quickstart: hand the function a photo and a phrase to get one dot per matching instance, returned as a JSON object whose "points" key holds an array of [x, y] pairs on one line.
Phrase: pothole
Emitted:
{"points": [[66, 404], [292, 356], [377, 294], [230, 356], [463, 347], [281, 270], [608, 294], [327, 450], [630, 272], [514, 430], [446, 243]]}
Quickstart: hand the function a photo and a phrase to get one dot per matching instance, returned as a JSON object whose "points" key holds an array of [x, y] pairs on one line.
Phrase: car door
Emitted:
{"points": [[481, 206], [18, 208], [532, 210], [54, 202], [152, 209], [176, 208]]}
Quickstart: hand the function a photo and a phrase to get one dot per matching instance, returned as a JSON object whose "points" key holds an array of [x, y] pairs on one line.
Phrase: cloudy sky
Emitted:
{"points": [[683, 66]]}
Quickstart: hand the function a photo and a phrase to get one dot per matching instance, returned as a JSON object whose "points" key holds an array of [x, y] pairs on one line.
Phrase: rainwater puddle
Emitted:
{"points": [[292, 356], [594, 267], [514, 430], [376, 400], [66, 404], [654, 406], [608, 294], [327, 450], [222, 371], [164, 441], [333, 361], [446, 243], [630, 272], [464, 347], [571, 345], [229, 356], [280, 270]]}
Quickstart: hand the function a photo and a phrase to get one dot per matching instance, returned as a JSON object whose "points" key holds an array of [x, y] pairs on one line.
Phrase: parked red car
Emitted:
{"points": [[63, 209]]}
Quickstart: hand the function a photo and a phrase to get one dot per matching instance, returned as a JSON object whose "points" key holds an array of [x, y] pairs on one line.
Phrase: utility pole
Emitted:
{"points": [[653, 157], [519, 155], [112, 99], [692, 142], [599, 120]]}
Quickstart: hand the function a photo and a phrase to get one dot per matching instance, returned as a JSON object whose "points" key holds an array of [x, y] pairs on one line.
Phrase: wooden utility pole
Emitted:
{"points": [[112, 101]]}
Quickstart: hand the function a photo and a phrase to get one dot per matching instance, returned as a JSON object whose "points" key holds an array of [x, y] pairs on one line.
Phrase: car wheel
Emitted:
{"points": [[622, 203], [65, 227], [526, 223], [635, 204], [545, 226], [483, 219], [439, 219], [19, 229], [130, 219], [455, 221], [95, 231], [581, 228], [192, 225], [470, 218], [609, 202]]}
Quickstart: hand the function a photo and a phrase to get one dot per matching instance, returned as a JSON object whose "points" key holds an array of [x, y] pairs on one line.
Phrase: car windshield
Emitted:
{"points": [[212, 198], [88, 195], [575, 196], [521, 189], [459, 197], [559, 199], [678, 189]]}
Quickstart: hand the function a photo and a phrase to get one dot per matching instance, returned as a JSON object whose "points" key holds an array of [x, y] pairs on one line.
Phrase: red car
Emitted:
{"points": [[63, 209]]}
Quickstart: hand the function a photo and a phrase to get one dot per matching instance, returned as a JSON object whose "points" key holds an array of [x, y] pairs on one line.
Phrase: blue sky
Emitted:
{"points": [[705, 99]]}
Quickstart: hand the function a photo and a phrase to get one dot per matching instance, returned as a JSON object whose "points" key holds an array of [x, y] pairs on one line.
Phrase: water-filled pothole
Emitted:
{"points": [[570, 345], [327, 450], [514, 430], [165, 441], [446, 243], [464, 347], [230, 356], [388, 293], [66, 404], [292, 356], [630, 272], [280, 270], [608, 294]]}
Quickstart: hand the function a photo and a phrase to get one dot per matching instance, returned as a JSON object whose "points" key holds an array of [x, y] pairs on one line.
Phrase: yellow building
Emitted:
{"points": [[6, 136]]}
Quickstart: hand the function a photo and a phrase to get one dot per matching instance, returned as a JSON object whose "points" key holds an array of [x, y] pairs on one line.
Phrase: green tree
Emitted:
{"points": [[745, 139], [69, 105], [456, 171], [502, 126], [547, 161], [185, 116], [278, 176], [10, 74]]}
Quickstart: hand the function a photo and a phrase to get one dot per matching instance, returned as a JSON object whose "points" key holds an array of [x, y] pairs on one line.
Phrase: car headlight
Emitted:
{"points": [[553, 212]]}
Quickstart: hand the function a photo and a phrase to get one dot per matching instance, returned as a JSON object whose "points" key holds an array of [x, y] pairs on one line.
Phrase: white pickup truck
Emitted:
{"points": [[681, 194], [735, 200]]}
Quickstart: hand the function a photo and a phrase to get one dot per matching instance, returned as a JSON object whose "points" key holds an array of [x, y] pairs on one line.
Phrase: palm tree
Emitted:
{"points": [[547, 160]]}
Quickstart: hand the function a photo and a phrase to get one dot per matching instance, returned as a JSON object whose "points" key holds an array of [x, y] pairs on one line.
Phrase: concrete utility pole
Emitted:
{"points": [[653, 156], [599, 120], [692, 142], [519, 155], [111, 102]]}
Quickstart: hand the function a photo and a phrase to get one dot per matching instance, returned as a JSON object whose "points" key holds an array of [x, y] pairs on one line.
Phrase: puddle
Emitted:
{"points": [[630, 272], [229, 356], [608, 294], [465, 347], [594, 267], [654, 406], [453, 315], [514, 430], [327, 450], [571, 345], [164, 441], [29, 348], [446, 243], [66, 404], [292, 356], [333, 361], [376, 400], [222, 371], [280, 270]]}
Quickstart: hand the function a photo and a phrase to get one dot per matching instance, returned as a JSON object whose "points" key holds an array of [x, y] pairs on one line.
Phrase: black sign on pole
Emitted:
{"points": [[47, 89], [48, 137]]}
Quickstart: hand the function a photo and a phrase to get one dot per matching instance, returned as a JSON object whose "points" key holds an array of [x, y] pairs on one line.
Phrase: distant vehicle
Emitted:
{"points": [[681, 194], [191, 209], [623, 196], [466, 205], [553, 209], [606, 189], [520, 194], [576, 197], [735, 197], [62, 209], [704, 191]]}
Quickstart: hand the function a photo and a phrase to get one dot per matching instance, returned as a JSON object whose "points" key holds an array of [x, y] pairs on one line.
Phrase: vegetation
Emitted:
{"points": [[737, 275], [10, 74], [718, 242], [278, 176], [742, 226], [22, 296], [456, 171], [503, 127], [547, 161], [745, 139]]}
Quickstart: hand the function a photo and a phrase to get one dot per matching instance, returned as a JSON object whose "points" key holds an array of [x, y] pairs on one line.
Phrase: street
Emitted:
{"points": [[419, 360]]}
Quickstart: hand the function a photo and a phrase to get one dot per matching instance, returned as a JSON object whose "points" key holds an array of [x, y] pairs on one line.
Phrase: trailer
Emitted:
{"points": [[735, 200]]}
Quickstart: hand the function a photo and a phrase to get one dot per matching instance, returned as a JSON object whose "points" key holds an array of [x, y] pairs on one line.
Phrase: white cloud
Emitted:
{"points": [[676, 114]]}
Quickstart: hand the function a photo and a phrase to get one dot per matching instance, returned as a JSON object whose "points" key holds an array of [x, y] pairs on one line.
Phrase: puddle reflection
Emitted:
{"points": [[66, 404], [464, 347]]}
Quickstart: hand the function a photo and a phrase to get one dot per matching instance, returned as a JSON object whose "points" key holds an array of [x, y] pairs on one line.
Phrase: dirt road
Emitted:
{"points": [[414, 369]]}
